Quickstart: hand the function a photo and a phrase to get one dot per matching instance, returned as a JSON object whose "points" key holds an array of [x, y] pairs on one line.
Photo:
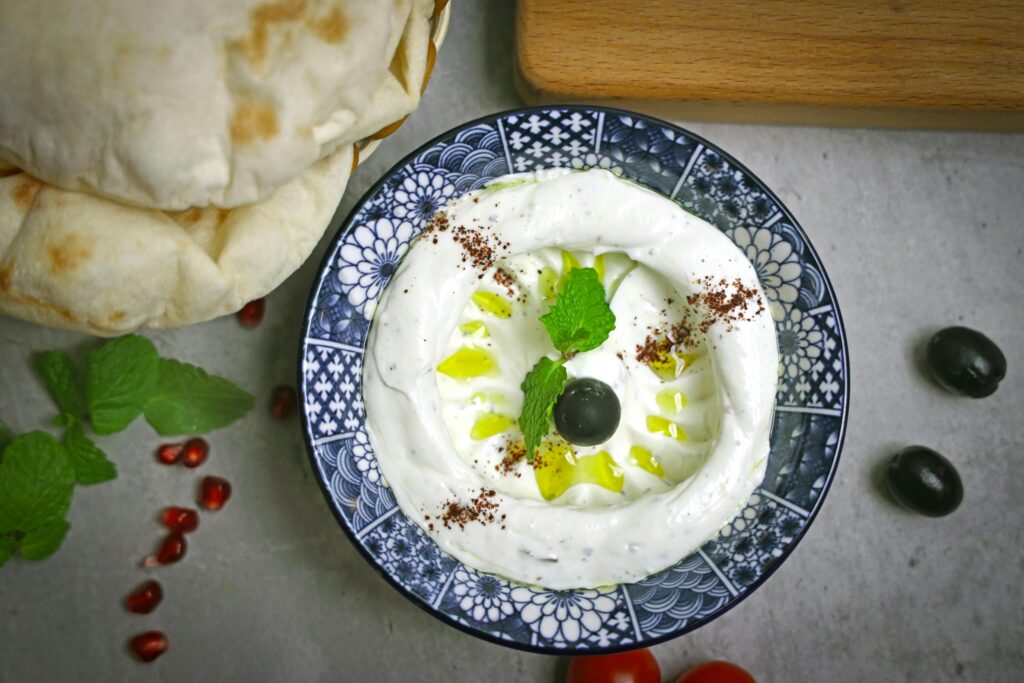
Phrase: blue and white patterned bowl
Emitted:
{"points": [[811, 406]]}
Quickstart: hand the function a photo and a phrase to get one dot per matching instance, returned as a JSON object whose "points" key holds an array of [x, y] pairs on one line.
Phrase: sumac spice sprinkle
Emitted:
{"points": [[726, 302], [505, 279], [718, 302], [480, 509], [653, 350], [479, 246], [514, 452]]}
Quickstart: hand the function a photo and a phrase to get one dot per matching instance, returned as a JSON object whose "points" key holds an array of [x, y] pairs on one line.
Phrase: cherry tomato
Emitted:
{"points": [[716, 672], [638, 666]]}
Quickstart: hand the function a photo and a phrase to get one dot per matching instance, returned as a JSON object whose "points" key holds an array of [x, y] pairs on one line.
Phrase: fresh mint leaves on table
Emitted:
{"points": [[59, 376], [87, 460], [120, 377], [36, 485], [190, 401], [124, 378], [580, 320]]}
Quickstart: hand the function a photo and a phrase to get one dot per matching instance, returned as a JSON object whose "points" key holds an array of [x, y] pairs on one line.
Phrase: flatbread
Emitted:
{"points": [[188, 103], [76, 260], [83, 262]]}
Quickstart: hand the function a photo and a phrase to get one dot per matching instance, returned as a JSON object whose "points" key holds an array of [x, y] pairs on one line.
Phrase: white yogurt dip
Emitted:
{"points": [[692, 442]]}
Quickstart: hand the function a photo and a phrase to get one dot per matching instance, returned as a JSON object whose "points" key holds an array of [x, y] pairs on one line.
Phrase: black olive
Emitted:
{"points": [[966, 362], [923, 481], [587, 413]]}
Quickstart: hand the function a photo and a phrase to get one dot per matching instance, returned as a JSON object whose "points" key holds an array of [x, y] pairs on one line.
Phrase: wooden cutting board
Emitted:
{"points": [[896, 63]]}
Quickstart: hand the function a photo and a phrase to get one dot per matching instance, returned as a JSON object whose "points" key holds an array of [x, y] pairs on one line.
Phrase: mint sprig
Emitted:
{"points": [[124, 378], [580, 320]]}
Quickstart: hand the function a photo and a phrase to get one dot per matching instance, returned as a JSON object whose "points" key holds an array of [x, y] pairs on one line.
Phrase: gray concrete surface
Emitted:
{"points": [[918, 230]]}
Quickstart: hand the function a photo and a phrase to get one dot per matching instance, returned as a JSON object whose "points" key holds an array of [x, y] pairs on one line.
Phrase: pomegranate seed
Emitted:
{"points": [[149, 645], [145, 598], [171, 550], [213, 493], [182, 520], [169, 453], [282, 403], [251, 314], [195, 452]]}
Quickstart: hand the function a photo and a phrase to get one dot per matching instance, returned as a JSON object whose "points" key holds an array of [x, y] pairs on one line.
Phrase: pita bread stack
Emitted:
{"points": [[164, 163]]}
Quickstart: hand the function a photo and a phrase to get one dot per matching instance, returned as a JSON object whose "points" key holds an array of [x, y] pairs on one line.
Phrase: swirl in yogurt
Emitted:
{"points": [[453, 338]]}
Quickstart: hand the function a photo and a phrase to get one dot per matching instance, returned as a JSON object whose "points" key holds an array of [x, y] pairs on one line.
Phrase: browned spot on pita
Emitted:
{"points": [[25, 192], [355, 158], [330, 28], [188, 217], [222, 215], [115, 317], [253, 121], [8, 290], [261, 20], [8, 171], [439, 5], [68, 255]]}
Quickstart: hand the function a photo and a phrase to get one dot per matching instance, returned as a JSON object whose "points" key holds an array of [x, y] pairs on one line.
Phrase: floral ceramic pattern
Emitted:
{"points": [[422, 194], [751, 544], [370, 253], [723, 194], [570, 619], [778, 266], [482, 597], [408, 555], [810, 406]]}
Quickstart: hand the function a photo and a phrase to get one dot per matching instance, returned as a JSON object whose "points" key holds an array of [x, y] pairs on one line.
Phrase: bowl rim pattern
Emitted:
{"points": [[842, 360]]}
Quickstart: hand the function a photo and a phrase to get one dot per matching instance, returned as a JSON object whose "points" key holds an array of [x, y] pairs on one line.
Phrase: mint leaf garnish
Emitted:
{"points": [[190, 401], [581, 319], [88, 461], [36, 483], [44, 540], [541, 388], [59, 376], [6, 436], [121, 376]]}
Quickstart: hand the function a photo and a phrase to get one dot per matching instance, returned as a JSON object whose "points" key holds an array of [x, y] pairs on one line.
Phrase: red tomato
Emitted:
{"points": [[716, 672], [638, 666]]}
